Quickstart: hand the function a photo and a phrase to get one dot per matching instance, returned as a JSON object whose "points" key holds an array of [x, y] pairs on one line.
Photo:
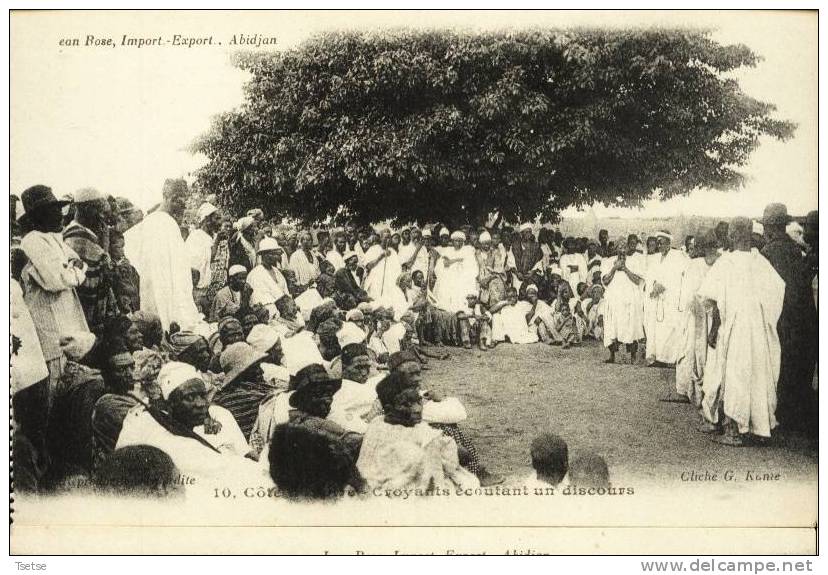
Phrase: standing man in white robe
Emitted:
{"points": [[622, 275], [458, 279], [156, 249], [663, 287], [382, 266], [740, 389], [200, 246]]}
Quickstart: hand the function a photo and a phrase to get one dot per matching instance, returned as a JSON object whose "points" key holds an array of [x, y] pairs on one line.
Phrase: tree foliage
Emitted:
{"points": [[444, 126]]}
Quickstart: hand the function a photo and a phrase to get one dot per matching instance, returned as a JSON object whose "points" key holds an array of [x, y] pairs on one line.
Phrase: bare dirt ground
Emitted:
{"points": [[514, 392]]}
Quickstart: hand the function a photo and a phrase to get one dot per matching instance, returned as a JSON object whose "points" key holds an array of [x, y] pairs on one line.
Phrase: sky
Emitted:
{"points": [[122, 119]]}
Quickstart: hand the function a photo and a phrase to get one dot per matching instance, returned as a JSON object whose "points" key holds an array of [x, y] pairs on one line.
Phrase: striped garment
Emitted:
{"points": [[95, 293], [242, 399]]}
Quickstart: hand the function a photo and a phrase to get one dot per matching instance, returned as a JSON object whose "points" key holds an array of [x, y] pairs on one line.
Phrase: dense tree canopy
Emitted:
{"points": [[443, 126]]}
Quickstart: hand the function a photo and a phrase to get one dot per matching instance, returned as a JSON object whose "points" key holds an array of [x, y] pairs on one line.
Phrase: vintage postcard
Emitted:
{"points": [[414, 282]]}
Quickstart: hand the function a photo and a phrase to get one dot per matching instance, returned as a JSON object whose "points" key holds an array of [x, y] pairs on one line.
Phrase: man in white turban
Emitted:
{"points": [[203, 440], [458, 276]]}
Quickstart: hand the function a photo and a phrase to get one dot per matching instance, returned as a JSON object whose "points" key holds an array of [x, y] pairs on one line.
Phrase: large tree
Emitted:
{"points": [[444, 126]]}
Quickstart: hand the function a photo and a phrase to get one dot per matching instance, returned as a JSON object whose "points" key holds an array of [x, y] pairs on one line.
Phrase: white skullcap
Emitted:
{"points": [[268, 245], [244, 223], [236, 269], [427, 233], [88, 195], [484, 237], [525, 226], [205, 210], [175, 374], [532, 288], [444, 232], [354, 315], [263, 337], [350, 333], [458, 235], [663, 234]]}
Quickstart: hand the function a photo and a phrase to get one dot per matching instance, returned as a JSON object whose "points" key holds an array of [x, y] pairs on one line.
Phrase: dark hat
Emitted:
{"points": [[776, 214], [812, 219], [398, 358], [308, 379], [38, 197]]}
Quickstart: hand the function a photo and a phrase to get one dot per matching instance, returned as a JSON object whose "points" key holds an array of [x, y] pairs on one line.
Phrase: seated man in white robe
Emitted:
{"points": [[740, 388], [355, 404], [204, 441], [401, 451], [268, 283], [156, 250], [663, 287], [510, 320]]}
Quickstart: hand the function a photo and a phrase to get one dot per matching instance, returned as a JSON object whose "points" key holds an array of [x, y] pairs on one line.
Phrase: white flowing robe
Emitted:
{"points": [[193, 458], [573, 277], [665, 339], [742, 381], [457, 280], [335, 259], [352, 404], [156, 249], [418, 457], [269, 286], [383, 276], [199, 246], [28, 366], [623, 304], [511, 321], [694, 353]]}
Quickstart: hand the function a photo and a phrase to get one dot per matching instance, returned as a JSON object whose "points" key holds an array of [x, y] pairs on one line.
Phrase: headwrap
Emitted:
{"points": [[178, 342], [348, 255], [236, 269], [390, 387], [525, 226], [458, 235], [354, 315], [88, 195], [175, 374], [663, 234], [244, 223], [263, 337], [427, 233], [353, 351], [225, 322], [484, 237], [204, 211], [532, 288], [255, 212], [444, 232], [350, 333], [148, 363]]}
